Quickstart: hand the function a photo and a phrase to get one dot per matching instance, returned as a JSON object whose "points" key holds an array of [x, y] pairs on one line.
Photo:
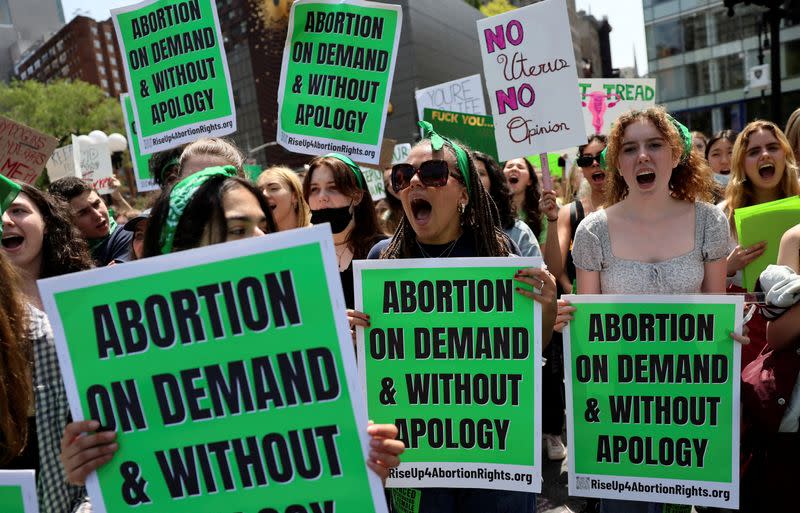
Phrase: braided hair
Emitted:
{"points": [[480, 217]]}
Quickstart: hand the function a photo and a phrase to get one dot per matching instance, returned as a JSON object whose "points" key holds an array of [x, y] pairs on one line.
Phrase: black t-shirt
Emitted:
{"points": [[116, 246], [29, 458], [464, 247]]}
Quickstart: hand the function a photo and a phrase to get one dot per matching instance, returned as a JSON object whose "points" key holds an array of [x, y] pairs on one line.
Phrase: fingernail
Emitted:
{"points": [[93, 425]]}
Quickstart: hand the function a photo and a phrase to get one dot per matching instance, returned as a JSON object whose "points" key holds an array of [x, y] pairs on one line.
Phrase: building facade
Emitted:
{"points": [[22, 23], [84, 49], [701, 57]]}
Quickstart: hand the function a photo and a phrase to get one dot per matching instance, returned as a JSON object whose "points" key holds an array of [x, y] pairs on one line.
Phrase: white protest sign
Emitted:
{"points": [[401, 152], [605, 99], [530, 75], [374, 179], [18, 491], [462, 95], [94, 162], [61, 164]]}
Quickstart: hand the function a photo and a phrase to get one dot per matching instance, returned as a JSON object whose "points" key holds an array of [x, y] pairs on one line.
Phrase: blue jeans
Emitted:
{"points": [[461, 500]]}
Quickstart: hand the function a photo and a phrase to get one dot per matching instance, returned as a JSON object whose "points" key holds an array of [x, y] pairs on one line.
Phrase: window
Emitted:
{"points": [[97, 44], [112, 60], [94, 30], [117, 86], [5, 13], [115, 73], [731, 74], [104, 83], [102, 70], [110, 49], [671, 84], [698, 79], [664, 39], [694, 32], [791, 53]]}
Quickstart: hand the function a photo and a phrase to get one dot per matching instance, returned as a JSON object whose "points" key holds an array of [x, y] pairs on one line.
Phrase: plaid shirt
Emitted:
{"points": [[52, 414]]}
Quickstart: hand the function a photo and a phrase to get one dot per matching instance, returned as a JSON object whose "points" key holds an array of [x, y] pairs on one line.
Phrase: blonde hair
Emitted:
{"points": [[571, 184], [793, 133], [691, 179], [739, 192], [292, 182], [215, 147]]}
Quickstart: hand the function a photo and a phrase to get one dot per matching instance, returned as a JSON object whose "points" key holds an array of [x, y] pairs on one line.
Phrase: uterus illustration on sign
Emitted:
{"points": [[598, 102]]}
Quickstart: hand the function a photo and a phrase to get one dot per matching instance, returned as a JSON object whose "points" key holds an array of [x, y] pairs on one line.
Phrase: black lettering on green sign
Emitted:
{"points": [[673, 368], [486, 434], [333, 119], [457, 388], [661, 327], [683, 452], [448, 296], [344, 23], [469, 342], [165, 17]]}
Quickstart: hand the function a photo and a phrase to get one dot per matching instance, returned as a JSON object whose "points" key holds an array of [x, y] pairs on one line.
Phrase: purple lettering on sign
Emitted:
{"points": [[513, 33], [513, 97]]}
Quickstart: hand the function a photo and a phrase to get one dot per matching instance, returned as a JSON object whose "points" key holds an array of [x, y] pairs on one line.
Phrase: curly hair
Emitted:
{"points": [[293, 185], [533, 217], [164, 161], [691, 179], [480, 214], [366, 232], [203, 210], [16, 386], [739, 192], [64, 250], [498, 189]]}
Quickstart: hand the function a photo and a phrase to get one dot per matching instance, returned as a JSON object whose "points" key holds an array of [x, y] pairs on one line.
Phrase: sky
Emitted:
{"points": [[625, 16]]}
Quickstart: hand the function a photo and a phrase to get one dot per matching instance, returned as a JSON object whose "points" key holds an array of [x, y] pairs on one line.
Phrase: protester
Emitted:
{"points": [[793, 134], [284, 193], [210, 152], [763, 169], [448, 213], [770, 445], [165, 166], [494, 182], [108, 242], [390, 218], [208, 207], [699, 142], [138, 226], [718, 155], [39, 241], [559, 241], [337, 193], [525, 194], [657, 191]]}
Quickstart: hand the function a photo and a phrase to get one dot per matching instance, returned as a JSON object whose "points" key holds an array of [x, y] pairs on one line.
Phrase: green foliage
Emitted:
{"points": [[61, 107], [497, 7], [474, 3]]}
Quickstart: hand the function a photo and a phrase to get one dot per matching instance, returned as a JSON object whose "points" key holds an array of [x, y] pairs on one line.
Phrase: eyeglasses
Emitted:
{"points": [[432, 173], [586, 160]]}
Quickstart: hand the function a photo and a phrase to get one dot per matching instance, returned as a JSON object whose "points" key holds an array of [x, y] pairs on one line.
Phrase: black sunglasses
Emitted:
{"points": [[432, 173], [586, 160]]}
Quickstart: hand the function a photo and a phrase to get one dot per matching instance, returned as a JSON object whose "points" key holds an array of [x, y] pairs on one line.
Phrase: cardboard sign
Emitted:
{"points": [[462, 95], [764, 222], [141, 163], [475, 131], [530, 74], [374, 179], [61, 164], [653, 398], [18, 491], [93, 160], [605, 99], [453, 357], [23, 151], [336, 77], [228, 374], [177, 71]]}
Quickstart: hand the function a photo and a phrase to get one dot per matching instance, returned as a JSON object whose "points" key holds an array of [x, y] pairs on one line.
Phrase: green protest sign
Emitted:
{"points": [[227, 373], [474, 130], [653, 398], [177, 71], [452, 357], [767, 222], [336, 77], [552, 161], [18, 491], [141, 163]]}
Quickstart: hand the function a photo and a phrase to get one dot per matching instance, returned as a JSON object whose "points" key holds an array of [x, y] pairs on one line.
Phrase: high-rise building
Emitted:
{"points": [[22, 24], [701, 58], [84, 49]]}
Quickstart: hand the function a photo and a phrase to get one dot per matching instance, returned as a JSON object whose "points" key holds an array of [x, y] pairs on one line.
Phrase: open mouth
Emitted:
{"points": [[13, 241], [421, 209], [513, 180], [766, 171], [645, 178], [598, 177], [273, 207], [102, 225], [724, 171]]}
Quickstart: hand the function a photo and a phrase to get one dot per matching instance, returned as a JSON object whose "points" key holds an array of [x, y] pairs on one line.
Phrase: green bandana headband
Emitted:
{"points": [[8, 192], [181, 195], [353, 167], [683, 133], [437, 141], [171, 162]]}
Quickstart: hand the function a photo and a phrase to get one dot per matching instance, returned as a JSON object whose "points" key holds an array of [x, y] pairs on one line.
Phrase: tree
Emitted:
{"points": [[61, 108], [496, 7]]}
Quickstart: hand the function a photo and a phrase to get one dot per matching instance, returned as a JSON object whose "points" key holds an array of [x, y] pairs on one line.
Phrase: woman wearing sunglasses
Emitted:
{"points": [[448, 213]]}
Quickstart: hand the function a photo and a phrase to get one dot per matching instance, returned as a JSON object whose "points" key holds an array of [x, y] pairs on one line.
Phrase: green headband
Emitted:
{"points": [[437, 141], [683, 133], [8, 192], [180, 196], [171, 162], [353, 167]]}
